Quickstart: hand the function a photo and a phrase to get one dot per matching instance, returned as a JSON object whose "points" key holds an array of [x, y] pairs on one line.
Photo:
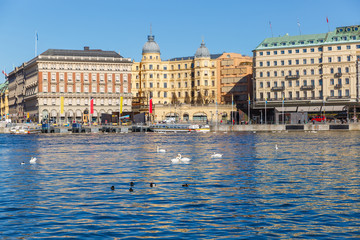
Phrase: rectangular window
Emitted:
{"points": [[282, 62], [331, 81], [304, 61], [329, 48], [268, 63], [289, 62], [282, 52], [297, 51], [312, 50], [290, 83], [338, 47], [304, 50], [312, 61], [347, 81], [165, 85], [261, 85], [329, 59], [347, 92], [289, 51], [70, 89], [275, 52], [297, 61], [267, 53], [339, 59], [348, 47]]}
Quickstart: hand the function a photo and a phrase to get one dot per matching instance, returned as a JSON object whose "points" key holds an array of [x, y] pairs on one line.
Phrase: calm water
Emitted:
{"points": [[307, 189]]}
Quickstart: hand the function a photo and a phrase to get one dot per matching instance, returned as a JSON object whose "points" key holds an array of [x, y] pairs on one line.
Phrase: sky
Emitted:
{"points": [[179, 26]]}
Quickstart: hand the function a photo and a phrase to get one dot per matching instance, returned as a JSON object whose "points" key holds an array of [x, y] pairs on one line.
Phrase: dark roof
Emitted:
{"points": [[81, 53], [212, 56]]}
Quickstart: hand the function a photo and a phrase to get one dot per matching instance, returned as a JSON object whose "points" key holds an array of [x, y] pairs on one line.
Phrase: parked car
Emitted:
{"points": [[318, 119]]}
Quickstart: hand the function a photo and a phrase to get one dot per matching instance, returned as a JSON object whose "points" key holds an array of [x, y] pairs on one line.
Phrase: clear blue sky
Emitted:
{"points": [[178, 26]]}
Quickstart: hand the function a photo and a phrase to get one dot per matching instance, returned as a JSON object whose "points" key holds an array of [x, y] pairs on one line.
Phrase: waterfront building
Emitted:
{"points": [[179, 84], [57, 85], [308, 74], [4, 101], [234, 75]]}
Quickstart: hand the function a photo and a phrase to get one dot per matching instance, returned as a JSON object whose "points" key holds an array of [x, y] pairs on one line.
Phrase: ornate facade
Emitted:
{"points": [[308, 73], [178, 84], [57, 86]]}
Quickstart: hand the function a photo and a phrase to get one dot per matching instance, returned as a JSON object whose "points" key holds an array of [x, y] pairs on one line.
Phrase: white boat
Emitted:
{"points": [[24, 130], [178, 127], [199, 128]]}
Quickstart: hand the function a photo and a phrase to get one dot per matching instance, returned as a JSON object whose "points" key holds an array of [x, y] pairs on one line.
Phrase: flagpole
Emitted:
{"points": [[265, 109], [327, 20], [283, 110], [272, 35], [249, 110], [232, 109], [36, 40], [298, 23]]}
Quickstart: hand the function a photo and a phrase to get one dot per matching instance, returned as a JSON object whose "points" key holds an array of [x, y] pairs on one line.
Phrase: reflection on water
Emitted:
{"points": [[308, 188]]}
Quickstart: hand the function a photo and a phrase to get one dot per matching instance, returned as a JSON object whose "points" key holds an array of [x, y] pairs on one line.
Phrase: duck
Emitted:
{"points": [[152, 184], [216, 155], [131, 190], [185, 185], [112, 188], [22, 163], [159, 150], [132, 184], [33, 160]]}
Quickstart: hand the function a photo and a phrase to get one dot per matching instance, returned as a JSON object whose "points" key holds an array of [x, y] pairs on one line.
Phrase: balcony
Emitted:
{"points": [[307, 87], [277, 89], [337, 75], [292, 77], [338, 86]]}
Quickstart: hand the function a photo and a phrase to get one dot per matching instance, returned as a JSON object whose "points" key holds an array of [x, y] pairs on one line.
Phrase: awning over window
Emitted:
{"points": [[334, 108]]}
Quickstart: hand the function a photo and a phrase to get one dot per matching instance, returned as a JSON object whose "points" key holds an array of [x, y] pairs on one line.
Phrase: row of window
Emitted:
{"points": [[302, 94], [179, 85], [77, 101], [98, 67], [94, 77], [304, 61], [179, 94], [179, 75], [77, 89], [304, 72], [174, 67], [304, 82], [304, 50]]}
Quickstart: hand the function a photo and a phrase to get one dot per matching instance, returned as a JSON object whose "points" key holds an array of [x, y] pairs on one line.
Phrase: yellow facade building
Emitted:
{"points": [[185, 88], [4, 101]]}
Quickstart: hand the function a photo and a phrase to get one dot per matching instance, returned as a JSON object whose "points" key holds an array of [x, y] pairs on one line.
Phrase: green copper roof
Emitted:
{"points": [[340, 35]]}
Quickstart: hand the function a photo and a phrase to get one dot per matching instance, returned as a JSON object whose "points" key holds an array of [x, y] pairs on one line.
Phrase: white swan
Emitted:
{"points": [[216, 155], [33, 160], [159, 150], [179, 159], [183, 159], [175, 160]]}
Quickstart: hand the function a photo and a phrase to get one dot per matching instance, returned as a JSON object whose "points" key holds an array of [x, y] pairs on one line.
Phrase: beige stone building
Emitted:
{"points": [[37, 87], [309, 74], [234, 75], [185, 88]]}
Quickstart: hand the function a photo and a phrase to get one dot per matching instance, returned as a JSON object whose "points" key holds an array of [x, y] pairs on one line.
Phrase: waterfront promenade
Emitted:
{"points": [[214, 128]]}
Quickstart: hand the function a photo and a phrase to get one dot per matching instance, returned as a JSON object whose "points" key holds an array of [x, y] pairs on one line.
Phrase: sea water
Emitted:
{"points": [[308, 188]]}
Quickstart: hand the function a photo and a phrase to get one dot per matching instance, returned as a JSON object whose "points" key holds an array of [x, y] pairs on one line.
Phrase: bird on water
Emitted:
{"points": [[112, 188], [33, 160], [152, 184]]}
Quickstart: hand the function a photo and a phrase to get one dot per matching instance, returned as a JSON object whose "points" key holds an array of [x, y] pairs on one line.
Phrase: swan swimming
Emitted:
{"points": [[216, 155], [159, 150], [180, 159], [183, 159], [33, 160]]}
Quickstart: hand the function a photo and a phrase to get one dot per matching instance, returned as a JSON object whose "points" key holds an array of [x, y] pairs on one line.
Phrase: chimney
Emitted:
{"points": [[86, 48]]}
